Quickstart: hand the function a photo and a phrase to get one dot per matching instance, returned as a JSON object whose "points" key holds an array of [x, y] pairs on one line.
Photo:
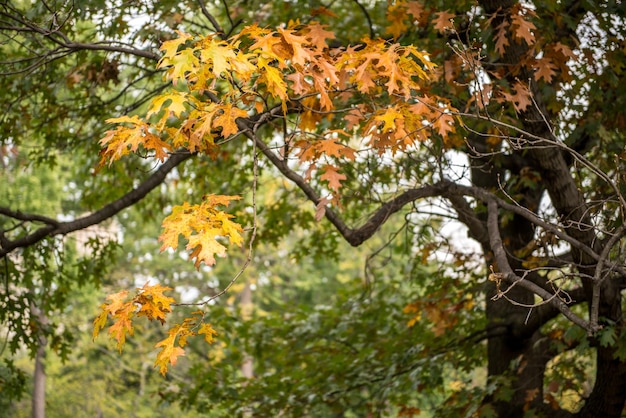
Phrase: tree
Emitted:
{"points": [[489, 113]]}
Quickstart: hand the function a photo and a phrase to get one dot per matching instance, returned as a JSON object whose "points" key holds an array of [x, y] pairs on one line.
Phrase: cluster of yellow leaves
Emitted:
{"points": [[126, 139], [217, 83], [150, 302], [202, 226], [190, 327]]}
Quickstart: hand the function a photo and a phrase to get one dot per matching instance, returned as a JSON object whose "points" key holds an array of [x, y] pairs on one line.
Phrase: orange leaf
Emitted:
{"points": [[522, 28], [227, 120], [500, 38], [443, 22], [322, 11], [444, 125], [520, 98], [545, 69], [333, 177], [317, 35], [300, 54], [320, 208], [124, 140]]}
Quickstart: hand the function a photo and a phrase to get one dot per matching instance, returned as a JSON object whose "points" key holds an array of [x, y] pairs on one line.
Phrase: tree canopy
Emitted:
{"points": [[476, 147]]}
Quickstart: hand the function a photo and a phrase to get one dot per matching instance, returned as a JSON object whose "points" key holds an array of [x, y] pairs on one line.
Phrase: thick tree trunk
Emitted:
{"points": [[609, 393], [513, 355]]}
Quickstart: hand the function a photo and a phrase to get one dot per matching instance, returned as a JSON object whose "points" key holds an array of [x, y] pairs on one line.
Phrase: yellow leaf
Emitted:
{"points": [[118, 304], [208, 332], [389, 117], [181, 63], [175, 104], [204, 247], [100, 321], [154, 304], [170, 47], [174, 225], [396, 14], [218, 54], [122, 323], [122, 326], [229, 228], [275, 83], [168, 354], [201, 225]]}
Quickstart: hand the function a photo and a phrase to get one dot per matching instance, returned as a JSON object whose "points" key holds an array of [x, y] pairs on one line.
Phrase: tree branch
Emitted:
{"points": [[106, 212], [506, 272], [216, 26]]}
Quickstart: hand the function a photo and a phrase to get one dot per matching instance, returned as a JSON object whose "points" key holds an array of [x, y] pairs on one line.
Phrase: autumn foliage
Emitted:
{"points": [[222, 88], [488, 114], [150, 302]]}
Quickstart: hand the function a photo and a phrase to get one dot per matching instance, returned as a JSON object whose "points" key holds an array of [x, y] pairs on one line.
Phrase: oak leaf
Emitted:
{"points": [[173, 102], [227, 119], [317, 35], [154, 304], [545, 68], [520, 97], [126, 139], [171, 47], [208, 332], [444, 21], [201, 225], [218, 54], [169, 353], [521, 27], [501, 38], [333, 177]]}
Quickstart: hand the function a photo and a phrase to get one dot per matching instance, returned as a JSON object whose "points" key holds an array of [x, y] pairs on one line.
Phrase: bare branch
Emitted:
{"points": [[599, 276], [506, 272], [29, 217], [208, 15]]}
